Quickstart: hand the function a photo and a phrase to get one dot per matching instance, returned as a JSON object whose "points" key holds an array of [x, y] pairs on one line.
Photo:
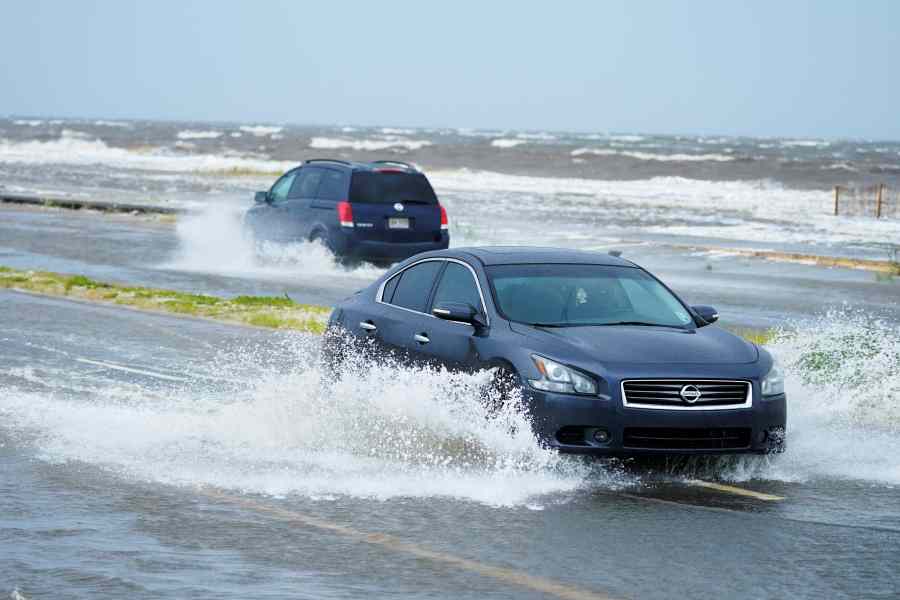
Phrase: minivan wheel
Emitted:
{"points": [[321, 237]]}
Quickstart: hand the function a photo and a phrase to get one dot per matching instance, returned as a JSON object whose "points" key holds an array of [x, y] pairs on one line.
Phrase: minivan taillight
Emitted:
{"points": [[444, 223], [345, 214]]}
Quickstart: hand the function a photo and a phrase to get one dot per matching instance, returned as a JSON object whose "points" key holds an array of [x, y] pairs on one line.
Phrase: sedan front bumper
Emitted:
{"points": [[571, 423]]}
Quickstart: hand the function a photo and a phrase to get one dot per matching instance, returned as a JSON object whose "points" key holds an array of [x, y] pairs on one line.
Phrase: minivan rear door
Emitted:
{"points": [[394, 205]]}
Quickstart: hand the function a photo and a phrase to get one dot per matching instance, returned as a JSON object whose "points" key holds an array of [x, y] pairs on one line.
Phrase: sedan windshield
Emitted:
{"points": [[554, 295]]}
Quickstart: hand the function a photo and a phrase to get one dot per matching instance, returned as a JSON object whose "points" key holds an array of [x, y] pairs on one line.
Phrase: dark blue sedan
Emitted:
{"points": [[382, 212], [608, 359]]}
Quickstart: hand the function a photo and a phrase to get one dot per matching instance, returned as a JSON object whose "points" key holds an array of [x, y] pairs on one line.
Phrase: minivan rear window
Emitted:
{"points": [[388, 187]]}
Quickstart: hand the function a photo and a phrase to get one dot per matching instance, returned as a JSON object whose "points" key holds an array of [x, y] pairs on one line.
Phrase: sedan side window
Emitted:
{"points": [[307, 184], [279, 191], [458, 285], [415, 286], [388, 293]]}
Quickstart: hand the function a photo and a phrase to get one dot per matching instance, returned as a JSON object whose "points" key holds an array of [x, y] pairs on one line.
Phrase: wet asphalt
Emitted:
{"points": [[80, 528], [75, 525], [749, 292]]}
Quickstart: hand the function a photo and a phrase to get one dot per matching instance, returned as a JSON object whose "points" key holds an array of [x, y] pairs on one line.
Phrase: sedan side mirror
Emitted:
{"points": [[261, 197], [707, 313], [459, 311]]}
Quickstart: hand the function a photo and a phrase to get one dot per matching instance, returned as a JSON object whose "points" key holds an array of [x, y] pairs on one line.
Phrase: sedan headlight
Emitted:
{"points": [[773, 382], [560, 378]]}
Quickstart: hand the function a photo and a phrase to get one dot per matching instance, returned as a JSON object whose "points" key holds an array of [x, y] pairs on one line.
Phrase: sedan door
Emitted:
{"points": [[451, 343], [396, 318]]}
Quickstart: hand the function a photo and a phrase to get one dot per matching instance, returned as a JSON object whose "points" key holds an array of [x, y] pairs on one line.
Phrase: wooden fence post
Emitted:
{"points": [[878, 198], [837, 192]]}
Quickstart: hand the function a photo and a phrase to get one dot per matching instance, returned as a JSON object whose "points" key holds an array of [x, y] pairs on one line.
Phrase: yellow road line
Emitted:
{"points": [[502, 574], [731, 489]]}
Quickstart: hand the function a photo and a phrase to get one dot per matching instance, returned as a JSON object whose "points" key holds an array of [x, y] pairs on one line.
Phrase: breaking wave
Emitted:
{"points": [[77, 148], [261, 130], [652, 156], [370, 145], [189, 134], [507, 143]]}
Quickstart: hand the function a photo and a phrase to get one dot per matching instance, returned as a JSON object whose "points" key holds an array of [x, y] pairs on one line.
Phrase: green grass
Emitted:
{"points": [[83, 282], [266, 320], [264, 301], [241, 172], [260, 311]]}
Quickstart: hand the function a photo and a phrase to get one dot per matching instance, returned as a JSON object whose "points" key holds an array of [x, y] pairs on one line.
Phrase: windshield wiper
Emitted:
{"points": [[576, 324], [641, 324]]}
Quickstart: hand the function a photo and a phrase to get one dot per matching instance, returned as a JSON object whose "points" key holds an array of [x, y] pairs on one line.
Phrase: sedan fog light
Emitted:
{"points": [[601, 436]]}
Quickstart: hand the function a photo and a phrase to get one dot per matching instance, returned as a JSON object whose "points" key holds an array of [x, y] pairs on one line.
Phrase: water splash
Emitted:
{"points": [[214, 241], [382, 431], [258, 418], [843, 385]]}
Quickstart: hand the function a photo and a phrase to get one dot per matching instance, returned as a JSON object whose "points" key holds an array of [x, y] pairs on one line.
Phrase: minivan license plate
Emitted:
{"points": [[398, 223]]}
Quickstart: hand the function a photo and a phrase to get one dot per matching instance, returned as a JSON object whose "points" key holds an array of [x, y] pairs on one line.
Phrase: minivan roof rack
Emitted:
{"points": [[331, 160], [394, 162]]}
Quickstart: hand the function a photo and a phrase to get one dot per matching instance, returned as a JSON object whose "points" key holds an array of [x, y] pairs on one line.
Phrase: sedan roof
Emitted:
{"points": [[518, 255]]}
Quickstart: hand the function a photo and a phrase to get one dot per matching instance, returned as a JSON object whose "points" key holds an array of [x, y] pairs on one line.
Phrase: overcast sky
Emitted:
{"points": [[788, 68]]}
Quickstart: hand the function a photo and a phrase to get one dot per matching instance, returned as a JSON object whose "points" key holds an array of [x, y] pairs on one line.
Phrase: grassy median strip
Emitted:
{"points": [[276, 312]]}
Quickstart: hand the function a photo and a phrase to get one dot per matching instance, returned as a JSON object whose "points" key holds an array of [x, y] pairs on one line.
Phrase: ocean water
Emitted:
{"points": [[210, 147], [584, 189]]}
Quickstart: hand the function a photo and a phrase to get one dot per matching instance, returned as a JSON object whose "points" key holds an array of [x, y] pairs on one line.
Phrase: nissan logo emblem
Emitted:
{"points": [[398, 207], [690, 393]]}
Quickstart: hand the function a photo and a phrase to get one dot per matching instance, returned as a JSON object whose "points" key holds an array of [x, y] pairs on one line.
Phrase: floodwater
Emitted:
{"points": [[153, 456]]}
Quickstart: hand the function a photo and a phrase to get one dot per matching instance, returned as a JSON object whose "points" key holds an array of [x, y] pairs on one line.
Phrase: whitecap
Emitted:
{"points": [[507, 143], [366, 144], [261, 130], [189, 134]]}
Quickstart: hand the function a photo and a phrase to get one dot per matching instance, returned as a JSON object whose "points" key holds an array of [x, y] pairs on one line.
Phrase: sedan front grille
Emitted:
{"points": [[686, 394], [668, 438]]}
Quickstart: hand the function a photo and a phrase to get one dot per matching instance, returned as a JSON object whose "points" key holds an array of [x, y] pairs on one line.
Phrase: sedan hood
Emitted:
{"points": [[648, 345]]}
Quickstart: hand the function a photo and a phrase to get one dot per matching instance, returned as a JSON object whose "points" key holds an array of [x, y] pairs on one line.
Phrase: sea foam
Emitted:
{"points": [[367, 144]]}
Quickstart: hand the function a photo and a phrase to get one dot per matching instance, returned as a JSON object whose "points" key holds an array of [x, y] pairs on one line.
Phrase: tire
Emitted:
{"points": [[504, 389], [332, 354], [322, 237]]}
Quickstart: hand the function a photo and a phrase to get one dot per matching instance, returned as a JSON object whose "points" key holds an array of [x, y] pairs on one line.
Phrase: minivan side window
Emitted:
{"points": [[279, 191], [333, 186], [415, 286], [307, 184], [457, 285]]}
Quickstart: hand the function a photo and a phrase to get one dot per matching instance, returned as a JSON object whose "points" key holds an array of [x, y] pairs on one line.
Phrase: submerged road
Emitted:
{"points": [[207, 255], [148, 456]]}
